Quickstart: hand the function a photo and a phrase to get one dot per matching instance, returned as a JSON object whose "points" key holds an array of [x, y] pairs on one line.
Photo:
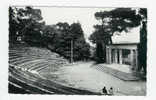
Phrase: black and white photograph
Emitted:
{"points": [[74, 50]]}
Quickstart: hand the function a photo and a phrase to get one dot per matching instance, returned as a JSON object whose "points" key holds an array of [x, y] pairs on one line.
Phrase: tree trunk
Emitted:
{"points": [[142, 49], [99, 52], [110, 39]]}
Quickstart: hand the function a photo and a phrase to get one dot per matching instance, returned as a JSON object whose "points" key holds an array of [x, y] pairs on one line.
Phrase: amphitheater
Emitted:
{"points": [[27, 67]]}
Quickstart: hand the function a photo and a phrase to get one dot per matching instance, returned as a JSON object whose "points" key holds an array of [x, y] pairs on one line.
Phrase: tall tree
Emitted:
{"points": [[143, 41]]}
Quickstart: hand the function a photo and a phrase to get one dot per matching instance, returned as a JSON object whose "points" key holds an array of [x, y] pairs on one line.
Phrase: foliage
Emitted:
{"points": [[28, 23], [61, 42], [114, 21], [25, 22]]}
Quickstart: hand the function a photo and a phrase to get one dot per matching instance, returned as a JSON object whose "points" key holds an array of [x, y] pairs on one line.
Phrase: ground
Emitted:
{"points": [[53, 71], [83, 76]]}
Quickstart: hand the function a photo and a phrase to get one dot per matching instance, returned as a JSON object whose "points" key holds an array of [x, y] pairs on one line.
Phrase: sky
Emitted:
{"points": [[85, 16]]}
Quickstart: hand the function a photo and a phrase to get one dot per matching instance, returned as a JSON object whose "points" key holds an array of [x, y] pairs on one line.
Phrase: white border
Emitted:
{"points": [[149, 4]]}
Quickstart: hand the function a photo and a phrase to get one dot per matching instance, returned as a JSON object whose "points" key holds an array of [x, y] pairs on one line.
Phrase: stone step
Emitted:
{"points": [[121, 75], [38, 66], [30, 64], [41, 68]]}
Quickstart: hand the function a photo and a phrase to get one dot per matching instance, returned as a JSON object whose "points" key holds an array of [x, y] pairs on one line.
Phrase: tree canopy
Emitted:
{"points": [[114, 21], [25, 22], [62, 41]]}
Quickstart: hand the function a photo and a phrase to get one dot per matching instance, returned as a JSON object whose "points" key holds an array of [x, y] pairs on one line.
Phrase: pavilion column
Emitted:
{"points": [[131, 57], [110, 55], [120, 56], [115, 57], [136, 56], [107, 55]]}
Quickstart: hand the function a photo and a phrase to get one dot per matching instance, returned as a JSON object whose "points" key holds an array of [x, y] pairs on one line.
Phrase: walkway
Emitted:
{"points": [[84, 76]]}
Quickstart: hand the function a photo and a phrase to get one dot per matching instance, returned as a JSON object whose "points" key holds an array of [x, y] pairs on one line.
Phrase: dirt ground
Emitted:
{"points": [[83, 76]]}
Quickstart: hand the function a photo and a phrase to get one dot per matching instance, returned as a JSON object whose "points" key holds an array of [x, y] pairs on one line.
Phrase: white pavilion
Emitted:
{"points": [[124, 49]]}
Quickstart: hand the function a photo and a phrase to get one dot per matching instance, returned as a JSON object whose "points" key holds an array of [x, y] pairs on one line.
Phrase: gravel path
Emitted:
{"points": [[81, 75]]}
